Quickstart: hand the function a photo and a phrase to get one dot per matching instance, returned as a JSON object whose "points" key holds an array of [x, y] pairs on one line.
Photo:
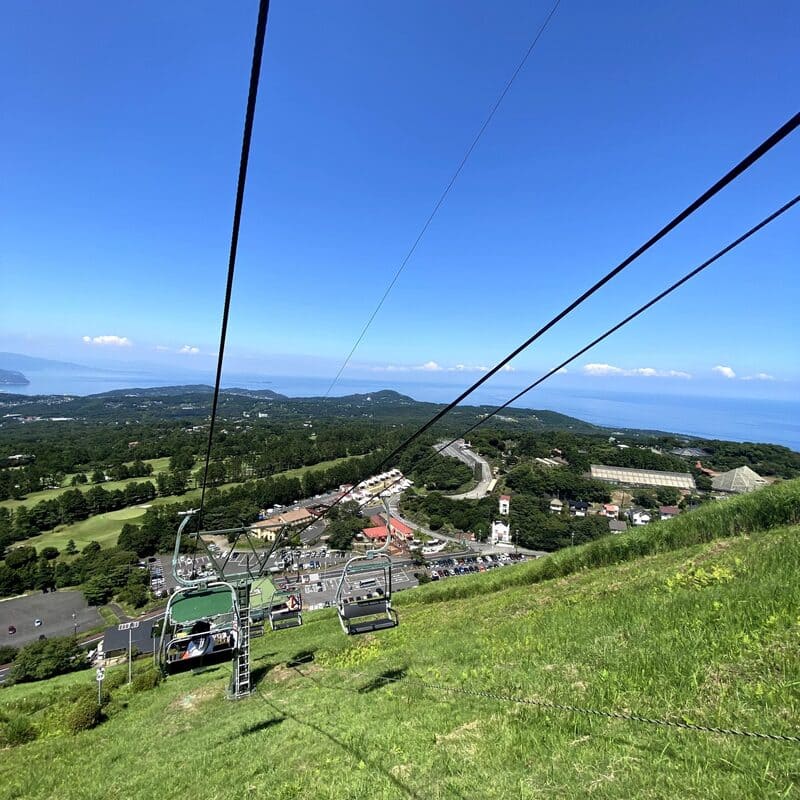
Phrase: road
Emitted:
{"points": [[471, 459]]}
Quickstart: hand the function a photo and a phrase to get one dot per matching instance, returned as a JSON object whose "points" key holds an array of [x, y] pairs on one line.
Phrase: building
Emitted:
{"points": [[268, 528], [501, 533], [551, 462], [505, 504], [617, 526], [642, 477], [610, 510], [738, 481], [556, 506], [378, 532], [690, 452], [578, 508], [639, 516], [668, 512]]}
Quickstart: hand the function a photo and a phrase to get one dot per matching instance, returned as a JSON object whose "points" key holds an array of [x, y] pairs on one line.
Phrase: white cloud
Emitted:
{"points": [[189, 350], [508, 368], [114, 341], [562, 371], [759, 376], [641, 372], [602, 369], [430, 366], [727, 372]]}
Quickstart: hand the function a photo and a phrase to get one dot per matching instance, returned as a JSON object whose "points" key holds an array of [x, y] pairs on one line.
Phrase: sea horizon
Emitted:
{"points": [[735, 419]]}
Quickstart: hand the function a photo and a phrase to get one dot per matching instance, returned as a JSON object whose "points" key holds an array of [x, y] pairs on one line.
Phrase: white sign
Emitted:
{"points": [[126, 626], [101, 673]]}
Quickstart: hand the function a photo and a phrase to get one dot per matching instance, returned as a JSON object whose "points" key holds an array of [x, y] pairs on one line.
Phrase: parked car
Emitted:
{"points": [[12, 629], [37, 623]]}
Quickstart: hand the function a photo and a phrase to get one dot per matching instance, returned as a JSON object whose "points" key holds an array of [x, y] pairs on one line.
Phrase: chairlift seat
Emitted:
{"points": [[365, 609], [381, 623]]}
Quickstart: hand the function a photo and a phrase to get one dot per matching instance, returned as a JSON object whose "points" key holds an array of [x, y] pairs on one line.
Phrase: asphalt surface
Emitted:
{"points": [[54, 609], [471, 459]]}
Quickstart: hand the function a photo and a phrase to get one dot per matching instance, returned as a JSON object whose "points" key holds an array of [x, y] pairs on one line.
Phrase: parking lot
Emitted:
{"points": [[54, 609], [443, 568], [319, 589]]}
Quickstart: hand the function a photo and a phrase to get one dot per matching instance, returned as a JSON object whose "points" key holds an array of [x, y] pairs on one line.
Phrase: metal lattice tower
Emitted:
{"points": [[240, 680]]}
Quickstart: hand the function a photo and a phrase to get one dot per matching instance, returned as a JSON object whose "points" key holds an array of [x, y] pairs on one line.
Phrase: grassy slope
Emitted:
{"points": [[614, 637]]}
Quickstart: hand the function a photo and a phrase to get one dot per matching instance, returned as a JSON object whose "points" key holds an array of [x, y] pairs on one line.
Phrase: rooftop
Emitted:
{"points": [[642, 477]]}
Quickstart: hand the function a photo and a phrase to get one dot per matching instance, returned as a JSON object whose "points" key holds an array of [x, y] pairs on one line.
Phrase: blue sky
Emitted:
{"points": [[119, 152]]}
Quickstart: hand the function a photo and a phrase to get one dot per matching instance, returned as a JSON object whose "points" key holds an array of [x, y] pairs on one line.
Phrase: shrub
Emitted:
{"points": [[85, 714], [114, 679], [16, 730], [45, 659], [7, 653], [146, 680]]}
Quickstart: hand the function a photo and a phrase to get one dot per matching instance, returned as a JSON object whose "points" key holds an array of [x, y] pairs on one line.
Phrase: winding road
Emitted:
{"points": [[460, 451]]}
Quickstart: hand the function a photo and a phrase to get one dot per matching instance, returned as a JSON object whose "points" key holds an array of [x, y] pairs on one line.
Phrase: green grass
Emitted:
{"points": [[105, 528], [159, 465], [706, 631], [108, 615]]}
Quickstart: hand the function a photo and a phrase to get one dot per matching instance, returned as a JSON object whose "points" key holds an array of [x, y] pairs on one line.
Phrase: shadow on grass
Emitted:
{"points": [[298, 659], [352, 750], [257, 727], [257, 673], [382, 680]]}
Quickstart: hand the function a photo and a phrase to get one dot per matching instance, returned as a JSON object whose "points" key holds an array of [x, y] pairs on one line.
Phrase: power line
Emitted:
{"points": [[443, 196], [255, 74]]}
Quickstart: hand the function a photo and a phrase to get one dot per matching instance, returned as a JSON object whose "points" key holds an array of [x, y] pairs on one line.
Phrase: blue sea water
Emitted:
{"points": [[736, 419]]}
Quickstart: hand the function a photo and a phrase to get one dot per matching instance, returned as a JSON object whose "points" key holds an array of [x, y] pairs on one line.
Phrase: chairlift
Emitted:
{"points": [[364, 593], [285, 610]]}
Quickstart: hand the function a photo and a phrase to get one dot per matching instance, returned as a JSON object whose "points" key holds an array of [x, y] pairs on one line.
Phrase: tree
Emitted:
{"points": [[45, 659], [45, 575], [70, 549], [49, 553], [98, 476]]}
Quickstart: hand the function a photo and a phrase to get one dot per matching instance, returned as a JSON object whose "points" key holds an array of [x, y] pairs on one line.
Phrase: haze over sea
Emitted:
{"points": [[737, 419]]}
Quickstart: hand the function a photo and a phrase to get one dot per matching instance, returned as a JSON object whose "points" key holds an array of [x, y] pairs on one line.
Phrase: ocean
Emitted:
{"points": [[736, 419]]}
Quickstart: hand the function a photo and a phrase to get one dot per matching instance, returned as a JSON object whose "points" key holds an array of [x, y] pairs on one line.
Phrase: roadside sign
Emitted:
{"points": [[101, 673], [126, 626]]}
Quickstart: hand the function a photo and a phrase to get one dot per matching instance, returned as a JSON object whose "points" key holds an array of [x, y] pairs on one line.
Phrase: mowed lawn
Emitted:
{"points": [[708, 634], [159, 465], [104, 528]]}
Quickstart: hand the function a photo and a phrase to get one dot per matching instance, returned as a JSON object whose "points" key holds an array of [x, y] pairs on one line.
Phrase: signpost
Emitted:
{"points": [[129, 626], [100, 674]]}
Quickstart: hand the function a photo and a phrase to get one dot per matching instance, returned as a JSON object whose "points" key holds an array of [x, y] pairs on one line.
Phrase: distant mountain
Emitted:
{"points": [[10, 377], [18, 361], [193, 403]]}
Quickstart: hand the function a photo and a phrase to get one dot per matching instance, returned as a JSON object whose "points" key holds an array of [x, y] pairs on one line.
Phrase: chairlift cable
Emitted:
{"points": [[693, 273], [687, 277], [731, 175], [677, 284], [255, 74], [443, 196]]}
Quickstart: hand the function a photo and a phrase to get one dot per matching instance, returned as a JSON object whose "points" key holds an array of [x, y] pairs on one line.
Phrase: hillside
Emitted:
{"points": [[674, 622], [11, 377], [192, 403]]}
